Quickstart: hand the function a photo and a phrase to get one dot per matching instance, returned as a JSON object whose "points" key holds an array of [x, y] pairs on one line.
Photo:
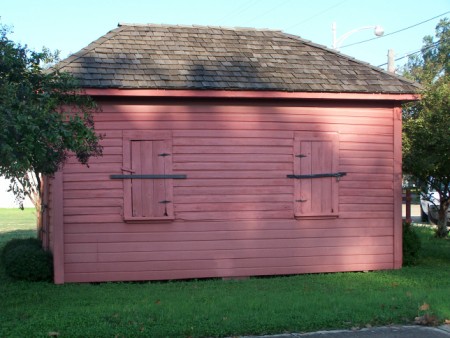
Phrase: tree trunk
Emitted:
{"points": [[441, 230]]}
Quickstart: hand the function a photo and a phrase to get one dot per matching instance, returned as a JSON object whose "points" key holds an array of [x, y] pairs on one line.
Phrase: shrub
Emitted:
{"points": [[411, 245], [14, 243], [25, 259]]}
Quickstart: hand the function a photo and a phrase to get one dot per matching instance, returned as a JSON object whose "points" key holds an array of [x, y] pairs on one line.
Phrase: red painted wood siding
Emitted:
{"points": [[234, 215]]}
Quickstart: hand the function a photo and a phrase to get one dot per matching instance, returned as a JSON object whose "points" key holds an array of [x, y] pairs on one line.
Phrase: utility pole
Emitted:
{"points": [[391, 62]]}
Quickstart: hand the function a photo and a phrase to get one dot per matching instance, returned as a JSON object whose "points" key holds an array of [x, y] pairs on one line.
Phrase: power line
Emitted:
{"points": [[400, 30], [239, 10], [316, 15], [415, 52], [269, 11]]}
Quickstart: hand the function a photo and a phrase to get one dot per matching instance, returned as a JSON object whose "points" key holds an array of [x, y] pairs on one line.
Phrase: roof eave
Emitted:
{"points": [[250, 94]]}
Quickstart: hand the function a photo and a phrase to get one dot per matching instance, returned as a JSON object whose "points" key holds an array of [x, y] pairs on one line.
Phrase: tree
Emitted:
{"points": [[44, 118], [426, 127]]}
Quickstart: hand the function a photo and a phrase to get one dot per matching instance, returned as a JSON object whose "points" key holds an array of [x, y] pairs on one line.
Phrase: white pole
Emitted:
{"points": [[391, 62], [333, 30]]}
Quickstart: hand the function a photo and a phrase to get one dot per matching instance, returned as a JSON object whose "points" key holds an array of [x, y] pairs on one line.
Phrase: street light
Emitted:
{"points": [[377, 30]]}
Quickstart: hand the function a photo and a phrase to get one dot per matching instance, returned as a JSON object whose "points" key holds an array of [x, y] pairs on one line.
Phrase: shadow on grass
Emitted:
{"points": [[8, 235]]}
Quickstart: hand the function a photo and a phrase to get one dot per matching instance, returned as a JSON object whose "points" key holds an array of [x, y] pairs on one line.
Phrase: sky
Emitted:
{"points": [[69, 26]]}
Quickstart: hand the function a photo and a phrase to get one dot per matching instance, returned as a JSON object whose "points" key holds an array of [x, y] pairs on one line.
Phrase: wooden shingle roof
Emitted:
{"points": [[200, 57]]}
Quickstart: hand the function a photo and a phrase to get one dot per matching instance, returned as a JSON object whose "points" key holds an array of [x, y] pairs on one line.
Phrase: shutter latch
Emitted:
{"points": [[338, 175]]}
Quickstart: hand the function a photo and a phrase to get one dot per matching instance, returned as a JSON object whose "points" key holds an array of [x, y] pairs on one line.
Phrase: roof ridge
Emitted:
{"points": [[120, 24]]}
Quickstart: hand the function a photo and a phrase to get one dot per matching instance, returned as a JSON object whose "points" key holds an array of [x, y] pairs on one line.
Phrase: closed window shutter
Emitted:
{"points": [[316, 153], [148, 195], [148, 153]]}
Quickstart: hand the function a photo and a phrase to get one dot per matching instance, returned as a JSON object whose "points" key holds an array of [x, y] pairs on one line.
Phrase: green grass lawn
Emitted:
{"points": [[223, 308]]}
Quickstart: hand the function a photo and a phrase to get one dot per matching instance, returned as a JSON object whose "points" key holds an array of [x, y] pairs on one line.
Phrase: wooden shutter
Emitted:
{"points": [[148, 153], [316, 153]]}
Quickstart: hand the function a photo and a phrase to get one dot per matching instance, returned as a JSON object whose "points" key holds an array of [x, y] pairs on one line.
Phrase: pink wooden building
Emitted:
{"points": [[229, 153]]}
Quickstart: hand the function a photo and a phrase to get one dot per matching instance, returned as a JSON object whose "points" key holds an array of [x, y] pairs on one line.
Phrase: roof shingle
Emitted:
{"points": [[196, 57]]}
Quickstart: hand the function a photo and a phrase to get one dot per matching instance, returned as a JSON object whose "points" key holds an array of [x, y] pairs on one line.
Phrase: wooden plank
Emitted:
{"points": [[238, 174], [231, 125], [240, 182], [81, 248], [87, 194], [248, 135], [91, 210], [366, 207], [370, 200], [108, 134], [249, 108], [234, 158], [198, 239], [372, 162], [242, 149], [188, 199], [236, 215], [243, 116], [137, 134], [231, 225], [57, 196], [397, 189], [94, 202], [136, 185], [224, 254], [366, 214], [372, 139], [248, 206], [97, 160], [349, 183], [287, 166], [160, 186], [232, 141], [230, 254], [111, 147], [109, 168], [237, 245], [220, 263], [366, 178], [232, 190], [366, 154], [366, 193], [85, 177], [304, 200], [366, 146], [107, 218], [365, 169], [108, 142], [89, 185], [148, 155]]}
